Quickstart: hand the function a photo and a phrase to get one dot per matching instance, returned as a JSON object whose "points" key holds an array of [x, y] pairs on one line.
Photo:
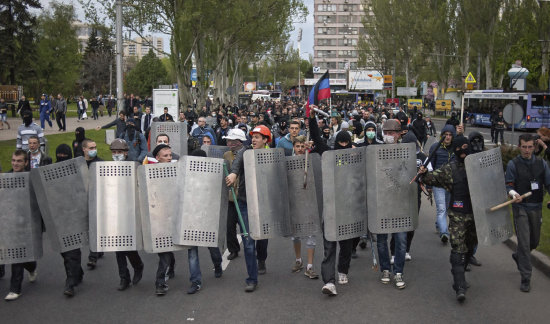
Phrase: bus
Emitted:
{"points": [[480, 103]]}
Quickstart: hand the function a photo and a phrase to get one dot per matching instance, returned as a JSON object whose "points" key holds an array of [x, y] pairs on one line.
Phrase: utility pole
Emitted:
{"points": [[119, 90], [299, 61]]}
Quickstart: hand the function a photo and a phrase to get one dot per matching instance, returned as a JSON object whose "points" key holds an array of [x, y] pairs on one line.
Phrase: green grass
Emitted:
{"points": [[71, 111], [7, 147], [544, 245]]}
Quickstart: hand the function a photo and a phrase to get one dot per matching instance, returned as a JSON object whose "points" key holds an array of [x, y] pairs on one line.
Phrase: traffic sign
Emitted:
{"points": [[470, 78]]}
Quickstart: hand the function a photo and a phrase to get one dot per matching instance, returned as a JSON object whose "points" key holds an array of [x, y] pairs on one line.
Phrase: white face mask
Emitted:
{"points": [[389, 139], [118, 157]]}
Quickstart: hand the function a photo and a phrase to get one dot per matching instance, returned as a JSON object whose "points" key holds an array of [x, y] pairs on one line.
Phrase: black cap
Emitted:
{"points": [[158, 148]]}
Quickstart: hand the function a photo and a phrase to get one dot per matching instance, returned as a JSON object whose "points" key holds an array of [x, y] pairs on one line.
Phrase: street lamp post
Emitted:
{"points": [[119, 90]]}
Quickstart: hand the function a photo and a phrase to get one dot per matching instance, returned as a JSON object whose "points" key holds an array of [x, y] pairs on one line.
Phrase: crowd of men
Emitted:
{"points": [[262, 125]]}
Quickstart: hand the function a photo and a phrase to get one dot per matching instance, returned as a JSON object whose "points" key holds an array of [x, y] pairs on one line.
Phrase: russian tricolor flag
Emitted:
{"points": [[320, 91]]}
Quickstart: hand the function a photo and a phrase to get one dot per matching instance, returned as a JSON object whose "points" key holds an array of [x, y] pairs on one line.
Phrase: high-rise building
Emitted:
{"points": [[139, 47], [338, 27]]}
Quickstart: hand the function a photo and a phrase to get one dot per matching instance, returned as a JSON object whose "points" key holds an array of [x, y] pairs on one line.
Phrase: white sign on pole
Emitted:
{"points": [[407, 91], [166, 98], [366, 80]]}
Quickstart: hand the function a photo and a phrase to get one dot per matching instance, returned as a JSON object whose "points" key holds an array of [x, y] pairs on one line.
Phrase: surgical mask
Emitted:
{"points": [[118, 157], [389, 139], [35, 151], [371, 134], [92, 153]]}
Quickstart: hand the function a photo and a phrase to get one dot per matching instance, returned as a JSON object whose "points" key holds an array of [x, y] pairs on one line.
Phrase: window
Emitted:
{"points": [[326, 7], [326, 54], [347, 42], [347, 30], [326, 31], [347, 53], [326, 42], [327, 19], [327, 65]]}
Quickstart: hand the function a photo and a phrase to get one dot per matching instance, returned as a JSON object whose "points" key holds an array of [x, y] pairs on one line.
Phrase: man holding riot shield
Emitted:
{"points": [[19, 162], [452, 177], [261, 136], [392, 135], [119, 150]]}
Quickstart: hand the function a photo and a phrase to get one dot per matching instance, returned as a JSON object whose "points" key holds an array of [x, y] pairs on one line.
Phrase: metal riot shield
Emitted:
{"points": [[487, 189], [21, 227], [267, 193], [176, 131], [158, 198], [203, 202], [392, 200], [215, 151], [303, 202], [344, 193], [115, 222], [62, 192]]}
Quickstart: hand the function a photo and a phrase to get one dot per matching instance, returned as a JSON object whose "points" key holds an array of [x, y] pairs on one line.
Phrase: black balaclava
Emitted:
{"points": [[343, 136], [477, 143], [325, 134], [27, 119], [80, 134], [131, 129], [457, 144], [63, 149]]}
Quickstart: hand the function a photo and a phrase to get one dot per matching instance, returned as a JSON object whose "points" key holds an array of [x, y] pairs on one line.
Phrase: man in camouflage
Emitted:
{"points": [[452, 177]]}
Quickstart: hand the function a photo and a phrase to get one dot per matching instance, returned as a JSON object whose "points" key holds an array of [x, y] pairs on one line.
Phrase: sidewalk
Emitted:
{"points": [[72, 124]]}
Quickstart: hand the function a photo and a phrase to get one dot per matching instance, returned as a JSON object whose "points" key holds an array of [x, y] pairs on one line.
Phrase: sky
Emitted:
{"points": [[306, 48]]}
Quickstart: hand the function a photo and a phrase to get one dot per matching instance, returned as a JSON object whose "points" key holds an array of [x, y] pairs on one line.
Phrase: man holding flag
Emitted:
{"points": [[320, 91]]}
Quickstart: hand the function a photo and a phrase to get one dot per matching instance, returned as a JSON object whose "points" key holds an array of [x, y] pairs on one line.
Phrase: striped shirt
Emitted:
{"points": [[24, 132]]}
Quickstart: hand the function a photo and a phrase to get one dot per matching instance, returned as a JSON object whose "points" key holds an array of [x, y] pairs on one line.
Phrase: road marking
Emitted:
{"points": [[225, 262]]}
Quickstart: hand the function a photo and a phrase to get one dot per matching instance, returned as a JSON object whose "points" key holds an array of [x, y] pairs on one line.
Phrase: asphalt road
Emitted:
{"points": [[509, 136], [282, 296]]}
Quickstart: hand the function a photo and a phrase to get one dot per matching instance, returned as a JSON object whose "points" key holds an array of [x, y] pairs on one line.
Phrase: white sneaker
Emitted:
{"points": [[33, 275], [342, 278], [399, 283], [408, 257], [385, 279], [392, 259], [329, 289], [12, 296]]}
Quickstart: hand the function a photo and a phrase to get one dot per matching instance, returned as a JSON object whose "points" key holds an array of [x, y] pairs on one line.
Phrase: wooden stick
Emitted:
{"points": [[497, 207]]}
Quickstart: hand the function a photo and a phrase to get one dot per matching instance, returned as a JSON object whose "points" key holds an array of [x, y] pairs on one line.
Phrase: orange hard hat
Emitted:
{"points": [[261, 129]]}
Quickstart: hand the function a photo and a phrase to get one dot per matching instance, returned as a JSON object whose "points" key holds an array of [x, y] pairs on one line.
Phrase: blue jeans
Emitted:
{"points": [[249, 247], [442, 198], [384, 254], [194, 265]]}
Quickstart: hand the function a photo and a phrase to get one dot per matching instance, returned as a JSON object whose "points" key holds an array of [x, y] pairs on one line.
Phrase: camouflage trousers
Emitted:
{"points": [[462, 229]]}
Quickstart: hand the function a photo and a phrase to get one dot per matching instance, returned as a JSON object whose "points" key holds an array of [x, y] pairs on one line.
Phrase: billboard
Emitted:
{"points": [[407, 91], [366, 80], [249, 86], [443, 104], [166, 98]]}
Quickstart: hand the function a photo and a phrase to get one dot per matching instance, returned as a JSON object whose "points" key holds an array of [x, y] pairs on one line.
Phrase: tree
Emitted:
{"points": [[148, 74], [214, 36], [58, 61], [17, 26], [98, 57]]}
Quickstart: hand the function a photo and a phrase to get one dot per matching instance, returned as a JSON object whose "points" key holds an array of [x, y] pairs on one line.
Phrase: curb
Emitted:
{"points": [[538, 259]]}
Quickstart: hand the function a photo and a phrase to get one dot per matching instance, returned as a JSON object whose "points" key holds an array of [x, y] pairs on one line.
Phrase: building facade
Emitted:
{"points": [[139, 47], [338, 27]]}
